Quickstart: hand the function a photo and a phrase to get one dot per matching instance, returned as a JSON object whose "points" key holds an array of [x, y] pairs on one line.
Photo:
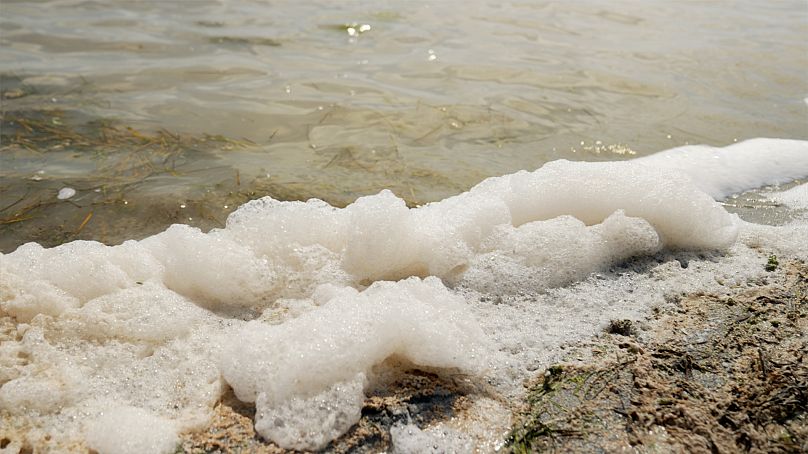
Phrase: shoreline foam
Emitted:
{"points": [[157, 328]]}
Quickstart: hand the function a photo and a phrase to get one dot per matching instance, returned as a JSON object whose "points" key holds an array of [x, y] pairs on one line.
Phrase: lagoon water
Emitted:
{"points": [[120, 118]]}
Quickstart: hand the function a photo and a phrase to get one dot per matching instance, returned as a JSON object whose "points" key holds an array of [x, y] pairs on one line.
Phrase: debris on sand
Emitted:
{"points": [[716, 374]]}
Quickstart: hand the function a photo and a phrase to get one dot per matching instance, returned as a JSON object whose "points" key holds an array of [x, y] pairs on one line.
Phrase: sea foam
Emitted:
{"points": [[796, 197], [721, 172], [294, 304]]}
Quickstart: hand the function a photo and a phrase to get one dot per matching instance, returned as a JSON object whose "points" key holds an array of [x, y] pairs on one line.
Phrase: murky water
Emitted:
{"points": [[235, 99]]}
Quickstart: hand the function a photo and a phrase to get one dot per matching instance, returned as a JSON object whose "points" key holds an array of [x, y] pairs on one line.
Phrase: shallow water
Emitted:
{"points": [[337, 100]]}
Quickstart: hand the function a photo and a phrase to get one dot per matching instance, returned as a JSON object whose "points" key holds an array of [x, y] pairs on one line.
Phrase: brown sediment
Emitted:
{"points": [[715, 374], [230, 430]]}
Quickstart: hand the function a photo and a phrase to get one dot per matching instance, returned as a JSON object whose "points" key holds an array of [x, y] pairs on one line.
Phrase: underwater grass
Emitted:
{"points": [[118, 160]]}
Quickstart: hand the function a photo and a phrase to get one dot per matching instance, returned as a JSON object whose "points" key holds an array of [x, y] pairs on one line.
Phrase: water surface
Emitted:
{"points": [[337, 100]]}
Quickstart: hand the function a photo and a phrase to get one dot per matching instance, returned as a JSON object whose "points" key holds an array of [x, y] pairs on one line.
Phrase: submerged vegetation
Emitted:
{"points": [[133, 182], [107, 165], [128, 181]]}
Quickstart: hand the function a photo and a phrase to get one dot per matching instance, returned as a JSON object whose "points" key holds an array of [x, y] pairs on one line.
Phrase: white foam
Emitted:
{"points": [[143, 314], [410, 439], [285, 367], [790, 240], [305, 423], [545, 254], [143, 333], [796, 197], [378, 237], [753, 163], [129, 430], [210, 268]]}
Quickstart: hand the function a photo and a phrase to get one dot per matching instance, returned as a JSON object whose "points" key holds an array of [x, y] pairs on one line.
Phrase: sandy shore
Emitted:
{"points": [[708, 374]]}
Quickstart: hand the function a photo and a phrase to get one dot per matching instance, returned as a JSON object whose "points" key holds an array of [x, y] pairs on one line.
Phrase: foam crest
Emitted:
{"points": [[51, 280], [273, 249], [381, 227], [684, 217], [275, 229], [545, 254], [378, 237], [750, 164]]}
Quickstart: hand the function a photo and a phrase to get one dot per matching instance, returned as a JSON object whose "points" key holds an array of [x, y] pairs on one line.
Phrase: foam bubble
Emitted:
{"points": [[130, 430], [144, 314], [210, 268], [545, 254], [305, 423], [796, 197], [33, 394], [285, 367]]}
